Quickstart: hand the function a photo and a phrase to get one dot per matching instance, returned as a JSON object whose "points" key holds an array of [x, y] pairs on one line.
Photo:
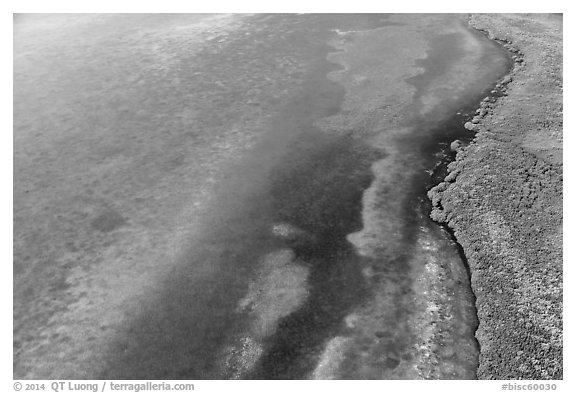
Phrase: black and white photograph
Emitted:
{"points": [[287, 196]]}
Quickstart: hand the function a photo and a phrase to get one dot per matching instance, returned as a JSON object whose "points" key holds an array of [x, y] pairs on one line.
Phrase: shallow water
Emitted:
{"points": [[316, 257], [356, 281]]}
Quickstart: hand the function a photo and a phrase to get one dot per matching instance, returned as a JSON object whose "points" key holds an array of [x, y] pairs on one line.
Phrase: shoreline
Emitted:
{"points": [[292, 207], [502, 199]]}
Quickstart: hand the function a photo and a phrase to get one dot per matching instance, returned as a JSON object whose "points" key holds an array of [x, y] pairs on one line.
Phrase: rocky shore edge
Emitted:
{"points": [[502, 198]]}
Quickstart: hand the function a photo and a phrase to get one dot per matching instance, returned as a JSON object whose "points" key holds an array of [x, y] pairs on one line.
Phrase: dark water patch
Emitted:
{"points": [[320, 191], [337, 286], [108, 221], [321, 194]]}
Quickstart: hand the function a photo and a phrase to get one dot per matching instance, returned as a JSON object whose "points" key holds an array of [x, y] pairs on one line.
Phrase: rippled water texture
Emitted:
{"points": [[316, 257]]}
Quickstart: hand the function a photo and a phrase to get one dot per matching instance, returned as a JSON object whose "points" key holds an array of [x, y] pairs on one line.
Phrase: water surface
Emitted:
{"points": [[312, 254]]}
